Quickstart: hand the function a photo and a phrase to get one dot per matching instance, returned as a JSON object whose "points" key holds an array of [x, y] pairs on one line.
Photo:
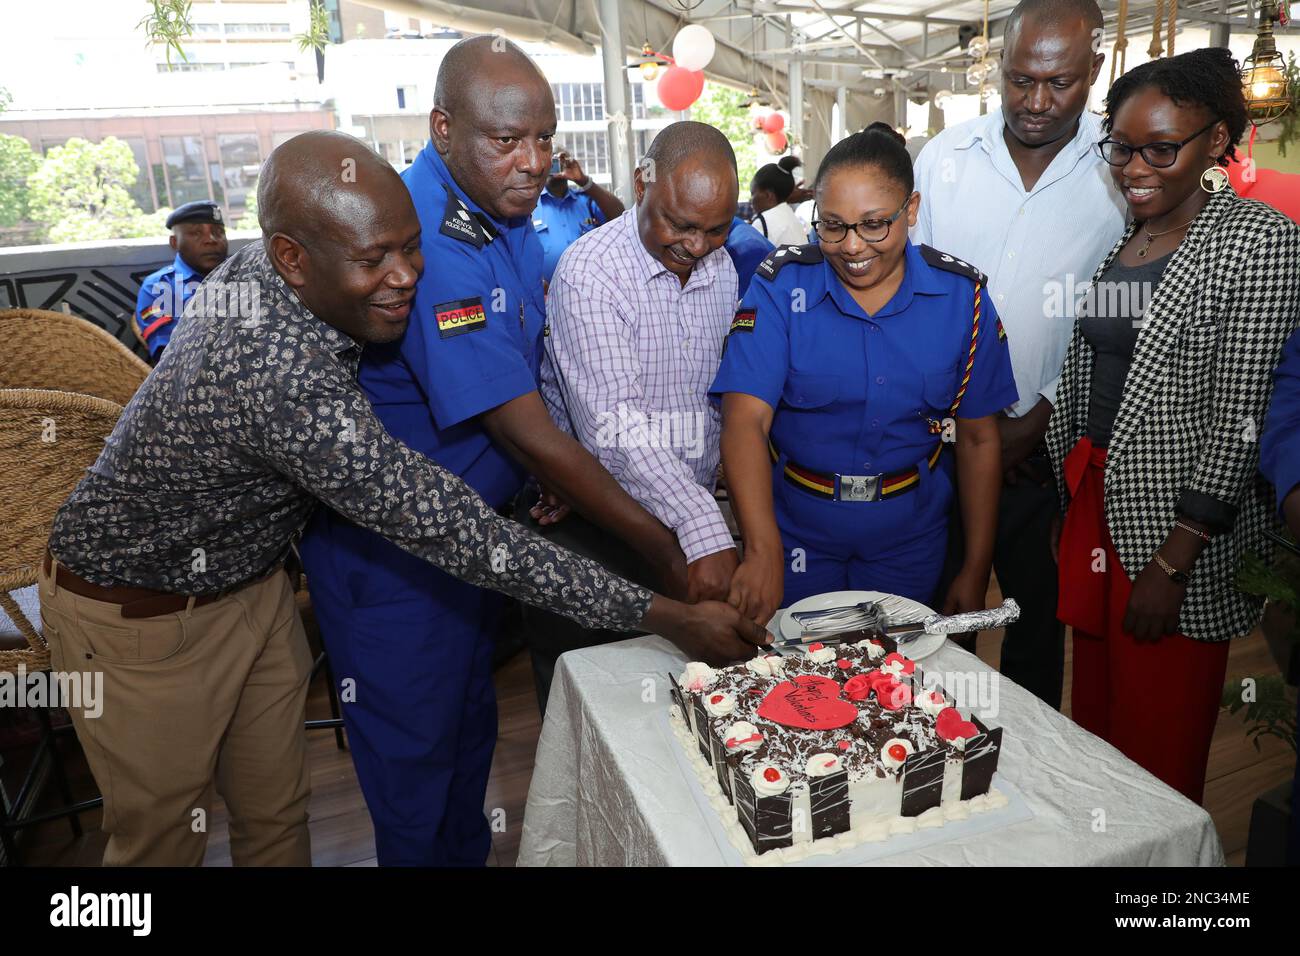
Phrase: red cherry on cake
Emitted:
{"points": [[816, 646], [844, 663], [898, 752], [771, 775], [716, 698], [844, 745]]}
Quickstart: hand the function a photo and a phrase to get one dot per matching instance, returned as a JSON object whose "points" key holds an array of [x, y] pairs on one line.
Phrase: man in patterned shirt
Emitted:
{"points": [[164, 572], [638, 310]]}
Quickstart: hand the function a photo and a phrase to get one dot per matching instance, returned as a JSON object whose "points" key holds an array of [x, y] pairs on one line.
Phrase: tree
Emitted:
{"points": [[81, 192], [17, 163], [719, 106], [249, 219]]}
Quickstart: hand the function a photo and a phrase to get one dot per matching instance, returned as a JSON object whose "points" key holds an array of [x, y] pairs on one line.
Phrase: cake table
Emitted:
{"points": [[608, 790]]}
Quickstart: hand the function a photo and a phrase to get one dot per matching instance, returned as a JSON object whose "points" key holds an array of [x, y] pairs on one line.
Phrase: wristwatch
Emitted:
{"points": [[1178, 577], [584, 188]]}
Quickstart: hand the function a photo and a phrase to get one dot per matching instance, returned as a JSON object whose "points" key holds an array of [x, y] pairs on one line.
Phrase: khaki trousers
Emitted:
{"points": [[210, 697]]}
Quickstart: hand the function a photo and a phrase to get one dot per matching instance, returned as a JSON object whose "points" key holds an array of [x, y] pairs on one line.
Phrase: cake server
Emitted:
{"points": [[903, 633]]}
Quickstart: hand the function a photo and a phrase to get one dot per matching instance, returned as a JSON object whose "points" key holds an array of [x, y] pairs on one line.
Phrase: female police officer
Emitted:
{"points": [[849, 367]]}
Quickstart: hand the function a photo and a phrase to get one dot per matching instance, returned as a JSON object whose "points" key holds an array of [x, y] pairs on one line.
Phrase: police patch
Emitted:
{"points": [[459, 317], [744, 321], [807, 253], [942, 260], [459, 223]]}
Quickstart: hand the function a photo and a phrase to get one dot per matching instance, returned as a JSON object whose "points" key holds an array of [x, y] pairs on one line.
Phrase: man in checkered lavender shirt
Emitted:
{"points": [[637, 313]]}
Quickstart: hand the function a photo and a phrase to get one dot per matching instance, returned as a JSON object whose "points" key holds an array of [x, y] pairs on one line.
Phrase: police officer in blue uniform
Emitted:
{"points": [[572, 205], [850, 369], [410, 646], [747, 247], [199, 240]]}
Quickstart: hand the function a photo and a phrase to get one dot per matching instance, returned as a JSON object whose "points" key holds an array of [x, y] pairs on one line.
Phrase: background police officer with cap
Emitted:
{"points": [[199, 241], [571, 205], [461, 387]]}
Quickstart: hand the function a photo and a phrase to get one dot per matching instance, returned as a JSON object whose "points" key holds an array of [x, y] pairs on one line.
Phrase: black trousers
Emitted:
{"points": [[548, 635], [1033, 650]]}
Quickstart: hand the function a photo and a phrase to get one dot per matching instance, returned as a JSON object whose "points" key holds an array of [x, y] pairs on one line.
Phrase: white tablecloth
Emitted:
{"points": [[607, 791]]}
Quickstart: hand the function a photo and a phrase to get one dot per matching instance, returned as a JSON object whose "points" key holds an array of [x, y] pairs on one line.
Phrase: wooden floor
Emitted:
{"points": [[342, 836]]}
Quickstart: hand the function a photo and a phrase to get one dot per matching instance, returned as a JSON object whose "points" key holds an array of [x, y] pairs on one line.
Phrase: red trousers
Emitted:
{"points": [[1157, 702]]}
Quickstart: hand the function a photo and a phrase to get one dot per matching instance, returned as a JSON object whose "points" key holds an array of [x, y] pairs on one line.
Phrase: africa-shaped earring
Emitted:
{"points": [[1214, 179]]}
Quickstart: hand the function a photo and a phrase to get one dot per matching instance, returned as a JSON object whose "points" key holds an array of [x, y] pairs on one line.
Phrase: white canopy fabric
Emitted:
{"points": [[880, 52]]}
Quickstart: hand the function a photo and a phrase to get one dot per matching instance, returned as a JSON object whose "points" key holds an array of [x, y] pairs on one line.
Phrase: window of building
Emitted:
{"points": [[579, 102], [407, 98], [205, 29], [142, 191], [240, 164], [588, 149], [187, 175], [257, 28], [190, 67]]}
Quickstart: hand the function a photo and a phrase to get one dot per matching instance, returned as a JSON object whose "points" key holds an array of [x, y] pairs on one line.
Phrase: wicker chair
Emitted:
{"points": [[52, 350], [47, 441]]}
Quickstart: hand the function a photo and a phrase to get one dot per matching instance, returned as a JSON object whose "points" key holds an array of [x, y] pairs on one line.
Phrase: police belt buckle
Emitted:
{"points": [[859, 487]]}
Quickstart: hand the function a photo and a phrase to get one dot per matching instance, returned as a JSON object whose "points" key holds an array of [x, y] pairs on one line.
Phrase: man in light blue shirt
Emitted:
{"points": [[1023, 195]]}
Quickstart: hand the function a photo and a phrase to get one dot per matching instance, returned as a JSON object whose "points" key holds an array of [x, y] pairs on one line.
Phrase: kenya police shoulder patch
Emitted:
{"points": [[744, 320], [459, 223], [460, 316], [949, 263], [1002, 333], [807, 253]]}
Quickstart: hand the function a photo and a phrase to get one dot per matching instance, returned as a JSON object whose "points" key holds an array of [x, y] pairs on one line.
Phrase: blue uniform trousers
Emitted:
{"points": [[421, 709], [895, 545]]}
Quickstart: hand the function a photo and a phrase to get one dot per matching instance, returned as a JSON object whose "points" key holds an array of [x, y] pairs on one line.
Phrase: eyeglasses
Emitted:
{"points": [[1156, 155], [868, 230]]}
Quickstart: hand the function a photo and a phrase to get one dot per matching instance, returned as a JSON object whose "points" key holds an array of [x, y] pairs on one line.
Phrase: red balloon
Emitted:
{"points": [[679, 88], [776, 142], [758, 123], [774, 123]]}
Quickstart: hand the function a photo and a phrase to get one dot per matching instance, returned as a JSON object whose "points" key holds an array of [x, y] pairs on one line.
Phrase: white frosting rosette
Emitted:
{"points": [[932, 701], [719, 703], [897, 667], [768, 780], [742, 735], [768, 665], [698, 677], [889, 755], [874, 651], [823, 765], [819, 653]]}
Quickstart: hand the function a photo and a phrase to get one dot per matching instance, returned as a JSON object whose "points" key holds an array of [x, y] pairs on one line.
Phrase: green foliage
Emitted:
{"points": [[318, 29], [1279, 582], [249, 219], [81, 192], [5, 99], [17, 163], [719, 106], [166, 24], [1271, 714], [1290, 121]]}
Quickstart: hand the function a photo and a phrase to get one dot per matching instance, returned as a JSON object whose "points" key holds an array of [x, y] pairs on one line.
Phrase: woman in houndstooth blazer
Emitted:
{"points": [[1155, 434]]}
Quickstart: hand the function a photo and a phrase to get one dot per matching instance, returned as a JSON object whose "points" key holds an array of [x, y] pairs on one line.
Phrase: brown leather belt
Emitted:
{"points": [[139, 602]]}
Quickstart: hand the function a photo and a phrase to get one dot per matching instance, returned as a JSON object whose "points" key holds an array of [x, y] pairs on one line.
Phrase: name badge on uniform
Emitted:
{"points": [[744, 321], [460, 316]]}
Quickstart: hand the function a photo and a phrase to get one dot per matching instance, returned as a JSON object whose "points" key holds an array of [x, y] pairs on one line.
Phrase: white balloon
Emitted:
{"points": [[693, 47]]}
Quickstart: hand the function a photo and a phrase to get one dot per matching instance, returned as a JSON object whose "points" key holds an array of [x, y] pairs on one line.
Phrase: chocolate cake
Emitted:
{"points": [[833, 740]]}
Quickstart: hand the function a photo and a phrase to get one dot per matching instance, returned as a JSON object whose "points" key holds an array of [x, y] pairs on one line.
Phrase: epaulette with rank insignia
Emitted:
{"points": [[807, 253], [941, 260]]}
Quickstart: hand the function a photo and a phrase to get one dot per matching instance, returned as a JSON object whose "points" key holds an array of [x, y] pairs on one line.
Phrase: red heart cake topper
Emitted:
{"points": [[949, 725], [810, 702]]}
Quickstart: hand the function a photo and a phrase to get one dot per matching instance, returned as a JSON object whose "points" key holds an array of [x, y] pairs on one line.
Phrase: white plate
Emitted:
{"points": [[900, 609]]}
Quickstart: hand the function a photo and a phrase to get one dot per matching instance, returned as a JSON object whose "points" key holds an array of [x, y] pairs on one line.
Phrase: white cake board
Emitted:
{"points": [[864, 854]]}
